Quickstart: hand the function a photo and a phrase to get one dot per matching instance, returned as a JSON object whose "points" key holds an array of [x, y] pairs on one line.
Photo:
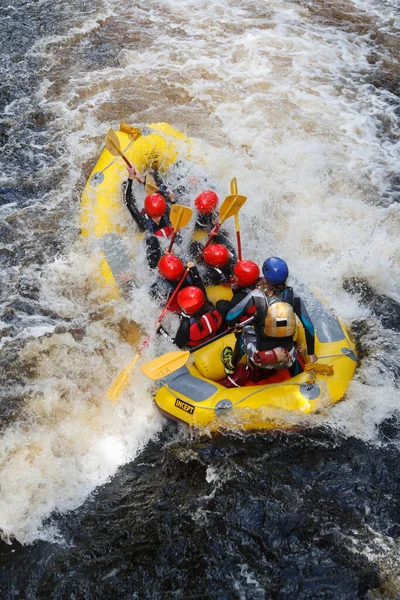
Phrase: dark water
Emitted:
{"points": [[307, 515], [281, 516]]}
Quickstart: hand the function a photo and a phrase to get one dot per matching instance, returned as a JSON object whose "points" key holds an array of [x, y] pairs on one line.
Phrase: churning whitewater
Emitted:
{"points": [[300, 102]]}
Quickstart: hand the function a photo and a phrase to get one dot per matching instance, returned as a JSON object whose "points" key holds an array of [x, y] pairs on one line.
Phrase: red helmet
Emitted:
{"points": [[155, 205], [206, 202], [246, 272], [171, 267], [216, 255], [190, 299]]}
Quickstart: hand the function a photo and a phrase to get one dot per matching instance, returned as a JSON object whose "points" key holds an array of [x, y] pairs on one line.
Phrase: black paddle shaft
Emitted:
{"points": [[221, 335]]}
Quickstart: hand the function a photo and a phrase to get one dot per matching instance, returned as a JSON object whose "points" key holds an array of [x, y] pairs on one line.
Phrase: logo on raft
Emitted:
{"points": [[183, 406]]}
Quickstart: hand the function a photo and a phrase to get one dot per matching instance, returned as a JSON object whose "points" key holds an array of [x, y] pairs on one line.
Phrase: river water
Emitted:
{"points": [[299, 101]]}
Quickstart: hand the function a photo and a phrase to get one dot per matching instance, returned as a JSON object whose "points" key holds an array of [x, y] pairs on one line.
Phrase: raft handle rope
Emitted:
{"points": [[320, 368]]}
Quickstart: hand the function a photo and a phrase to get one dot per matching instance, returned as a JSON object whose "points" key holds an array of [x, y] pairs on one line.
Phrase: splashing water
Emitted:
{"points": [[300, 103]]}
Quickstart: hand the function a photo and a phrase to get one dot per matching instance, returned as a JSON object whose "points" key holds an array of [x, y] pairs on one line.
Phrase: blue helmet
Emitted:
{"points": [[275, 270]]}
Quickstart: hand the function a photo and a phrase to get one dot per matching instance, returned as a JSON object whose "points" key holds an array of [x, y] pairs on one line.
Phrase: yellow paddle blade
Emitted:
{"points": [[121, 381], [151, 187], [112, 143], [164, 365], [234, 190], [231, 206], [180, 216], [234, 186]]}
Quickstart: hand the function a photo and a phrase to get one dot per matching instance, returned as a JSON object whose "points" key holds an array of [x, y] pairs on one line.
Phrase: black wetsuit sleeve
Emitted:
{"points": [[234, 316], [301, 311], [130, 202], [236, 298], [183, 334]]}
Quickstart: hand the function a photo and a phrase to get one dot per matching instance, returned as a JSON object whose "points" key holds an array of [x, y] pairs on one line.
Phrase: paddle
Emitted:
{"points": [[230, 206], [114, 147], [172, 361], [239, 245], [179, 217], [151, 187], [122, 379]]}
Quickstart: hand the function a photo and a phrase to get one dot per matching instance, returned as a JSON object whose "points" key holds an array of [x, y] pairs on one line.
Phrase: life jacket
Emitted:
{"points": [[211, 321], [275, 323], [163, 229]]}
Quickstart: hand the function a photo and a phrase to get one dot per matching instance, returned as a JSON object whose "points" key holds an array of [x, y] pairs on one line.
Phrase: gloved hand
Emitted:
{"points": [[167, 193]]}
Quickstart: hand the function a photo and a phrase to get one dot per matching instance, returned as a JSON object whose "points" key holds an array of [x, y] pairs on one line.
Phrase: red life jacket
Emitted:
{"points": [[165, 231], [159, 230], [211, 322]]}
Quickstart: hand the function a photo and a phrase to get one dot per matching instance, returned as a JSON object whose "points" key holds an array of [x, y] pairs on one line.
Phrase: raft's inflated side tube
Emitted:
{"points": [[103, 216], [193, 395], [208, 360]]}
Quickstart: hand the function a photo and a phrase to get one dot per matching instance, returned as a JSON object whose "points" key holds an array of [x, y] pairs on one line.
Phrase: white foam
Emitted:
{"points": [[268, 96]]}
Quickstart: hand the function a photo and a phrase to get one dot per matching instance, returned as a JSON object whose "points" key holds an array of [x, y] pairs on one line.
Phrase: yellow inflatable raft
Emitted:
{"points": [[193, 395]]}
